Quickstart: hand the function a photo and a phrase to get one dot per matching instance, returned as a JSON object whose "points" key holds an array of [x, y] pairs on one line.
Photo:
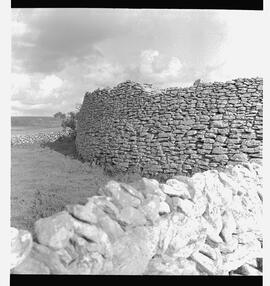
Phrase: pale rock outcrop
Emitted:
{"points": [[21, 244], [208, 224]]}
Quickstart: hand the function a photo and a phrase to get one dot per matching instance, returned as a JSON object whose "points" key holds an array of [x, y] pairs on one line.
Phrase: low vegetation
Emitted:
{"points": [[69, 120], [45, 179]]}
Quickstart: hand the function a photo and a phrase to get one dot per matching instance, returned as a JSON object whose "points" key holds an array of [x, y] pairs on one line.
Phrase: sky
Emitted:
{"points": [[59, 54]]}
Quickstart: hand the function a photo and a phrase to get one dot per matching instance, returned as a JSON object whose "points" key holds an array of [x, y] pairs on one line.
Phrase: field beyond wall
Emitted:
{"points": [[45, 179]]}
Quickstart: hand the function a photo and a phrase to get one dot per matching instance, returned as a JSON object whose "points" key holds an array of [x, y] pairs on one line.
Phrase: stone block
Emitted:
{"points": [[54, 231]]}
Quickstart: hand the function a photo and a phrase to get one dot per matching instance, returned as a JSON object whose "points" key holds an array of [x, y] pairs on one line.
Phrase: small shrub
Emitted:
{"points": [[59, 115], [70, 121]]}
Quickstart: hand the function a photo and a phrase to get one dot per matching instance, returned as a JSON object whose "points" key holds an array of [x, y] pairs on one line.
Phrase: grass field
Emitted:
{"points": [[45, 179], [28, 125]]}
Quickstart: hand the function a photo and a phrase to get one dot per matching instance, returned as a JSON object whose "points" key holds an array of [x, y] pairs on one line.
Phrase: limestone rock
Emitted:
{"points": [[89, 258], [247, 269], [133, 251], [167, 231], [211, 232], [132, 191], [241, 255], [206, 265], [220, 158], [164, 208], [213, 228], [21, 244], [198, 183], [180, 236], [165, 265], [172, 191], [85, 213], [214, 218], [105, 204], [228, 182], [228, 246], [41, 260], [95, 234], [101, 212], [197, 82], [212, 184], [31, 266], [185, 206], [219, 124], [180, 188], [110, 227], [121, 197], [229, 225], [148, 186], [150, 208], [246, 218], [132, 216], [54, 231], [239, 157], [173, 130], [90, 263]]}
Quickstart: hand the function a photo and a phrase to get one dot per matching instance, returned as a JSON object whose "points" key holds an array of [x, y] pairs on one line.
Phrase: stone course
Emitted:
{"points": [[207, 224], [175, 130]]}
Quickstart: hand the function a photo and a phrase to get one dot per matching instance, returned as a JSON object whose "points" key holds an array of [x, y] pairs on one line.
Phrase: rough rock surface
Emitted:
{"points": [[172, 131], [211, 225], [40, 137], [21, 244]]}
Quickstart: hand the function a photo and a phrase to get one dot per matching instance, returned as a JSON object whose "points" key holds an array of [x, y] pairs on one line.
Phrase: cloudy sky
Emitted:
{"points": [[59, 54]]}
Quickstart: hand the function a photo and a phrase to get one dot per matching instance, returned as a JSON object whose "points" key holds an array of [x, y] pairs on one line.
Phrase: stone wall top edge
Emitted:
{"points": [[151, 88]]}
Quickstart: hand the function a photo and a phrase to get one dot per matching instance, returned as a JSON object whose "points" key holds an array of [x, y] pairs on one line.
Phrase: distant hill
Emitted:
{"points": [[34, 121]]}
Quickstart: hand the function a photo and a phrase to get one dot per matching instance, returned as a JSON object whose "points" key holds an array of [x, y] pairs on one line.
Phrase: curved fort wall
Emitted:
{"points": [[173, 130]]}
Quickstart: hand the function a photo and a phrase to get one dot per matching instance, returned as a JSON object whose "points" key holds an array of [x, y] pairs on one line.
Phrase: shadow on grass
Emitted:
{"points": [[64, 145]]}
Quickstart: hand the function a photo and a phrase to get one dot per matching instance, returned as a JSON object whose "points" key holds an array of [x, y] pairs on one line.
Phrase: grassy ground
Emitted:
{"points": [[46, 178], [31, 131]]}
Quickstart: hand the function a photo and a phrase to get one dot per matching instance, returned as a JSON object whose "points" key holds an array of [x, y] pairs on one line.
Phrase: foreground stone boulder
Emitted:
{"points": [[209, 224], [21, 244], [54, 231]]}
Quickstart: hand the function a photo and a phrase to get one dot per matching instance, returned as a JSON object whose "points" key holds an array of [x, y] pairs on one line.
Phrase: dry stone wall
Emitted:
{"points": [[173, 130], [207, 224], [41, 137]]}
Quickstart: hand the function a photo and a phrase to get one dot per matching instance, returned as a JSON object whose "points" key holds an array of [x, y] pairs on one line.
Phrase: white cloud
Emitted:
{"points": [[19, 82], [18, 105], [242, 51], [104, 73], [59, 54], [174, 68], [18, 27], [159, 68], [49, 84], [147, 60], [35, 87]]}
